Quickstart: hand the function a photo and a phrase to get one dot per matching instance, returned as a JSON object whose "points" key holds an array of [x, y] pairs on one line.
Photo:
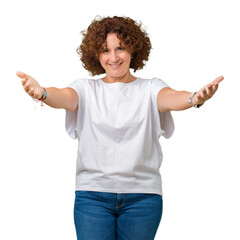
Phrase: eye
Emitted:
{"points": [[105, 50], [120, 48]]}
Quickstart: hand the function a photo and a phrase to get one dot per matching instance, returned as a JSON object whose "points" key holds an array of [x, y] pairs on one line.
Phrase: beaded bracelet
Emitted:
{"points": [[43, 97]]}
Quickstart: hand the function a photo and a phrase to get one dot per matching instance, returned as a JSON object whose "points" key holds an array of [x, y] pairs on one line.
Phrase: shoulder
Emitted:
{"points": [[83, 82], [152, 80], [155, 82]]}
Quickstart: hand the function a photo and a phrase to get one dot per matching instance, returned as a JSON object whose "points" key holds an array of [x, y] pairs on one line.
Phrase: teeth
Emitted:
{"points": [[115, 65]]}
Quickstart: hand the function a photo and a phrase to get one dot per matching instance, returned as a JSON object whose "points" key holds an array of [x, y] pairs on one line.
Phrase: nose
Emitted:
{"points": [[114, 57]]}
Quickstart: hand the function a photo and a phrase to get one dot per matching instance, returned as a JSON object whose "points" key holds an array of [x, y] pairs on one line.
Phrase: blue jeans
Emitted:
{"points": [[111, 216]]}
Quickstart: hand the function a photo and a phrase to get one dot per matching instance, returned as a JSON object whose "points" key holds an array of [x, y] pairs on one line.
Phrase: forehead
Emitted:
{"points": [[112, 40]]}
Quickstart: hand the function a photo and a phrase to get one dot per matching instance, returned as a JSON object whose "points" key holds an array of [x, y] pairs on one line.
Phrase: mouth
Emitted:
{"points": [[115, 66]]}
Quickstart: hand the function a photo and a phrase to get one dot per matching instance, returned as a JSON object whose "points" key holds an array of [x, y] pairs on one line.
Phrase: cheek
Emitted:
{"points": [[102, 60], [128, 60], [128, 57]]}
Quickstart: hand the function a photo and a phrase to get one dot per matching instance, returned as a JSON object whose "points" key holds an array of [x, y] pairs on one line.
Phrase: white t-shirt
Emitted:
{"points": [[118, 126]]}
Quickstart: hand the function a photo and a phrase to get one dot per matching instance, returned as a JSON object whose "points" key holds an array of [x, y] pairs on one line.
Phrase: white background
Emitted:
{"points": [[193, 43]]}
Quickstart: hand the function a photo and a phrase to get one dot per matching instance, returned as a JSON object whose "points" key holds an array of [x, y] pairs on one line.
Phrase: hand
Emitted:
{"points": [[30, 85], [207, 92]]}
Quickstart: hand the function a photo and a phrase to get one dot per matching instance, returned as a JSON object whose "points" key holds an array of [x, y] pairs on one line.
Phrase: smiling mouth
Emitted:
{"points": [[115, 66]]}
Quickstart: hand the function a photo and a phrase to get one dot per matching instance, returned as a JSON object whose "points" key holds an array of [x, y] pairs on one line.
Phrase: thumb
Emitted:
{"points": [[21, 74]]}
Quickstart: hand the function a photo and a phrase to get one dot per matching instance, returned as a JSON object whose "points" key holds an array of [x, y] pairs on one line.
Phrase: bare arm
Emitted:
{"points": [[65, 98], [171, 100]]}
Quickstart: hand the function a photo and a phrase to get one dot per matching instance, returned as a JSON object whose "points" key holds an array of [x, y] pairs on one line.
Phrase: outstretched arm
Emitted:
{"points": [[171, 100], [65, 98]]}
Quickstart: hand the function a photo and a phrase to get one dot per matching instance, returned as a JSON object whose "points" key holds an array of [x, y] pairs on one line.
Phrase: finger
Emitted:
{"points": [[215, 88], [31, 91], [27, 86], [204, 94], [198, 99], [28, 83], [24, 80], [218, 80], [36, 94], [209, 90]]}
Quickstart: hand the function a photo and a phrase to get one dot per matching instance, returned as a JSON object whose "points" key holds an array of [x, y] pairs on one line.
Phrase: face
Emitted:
{"points": [[115, 59]]}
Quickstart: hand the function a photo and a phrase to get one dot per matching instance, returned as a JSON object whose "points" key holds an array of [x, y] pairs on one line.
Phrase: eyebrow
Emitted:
{"points": [[105, 47]]}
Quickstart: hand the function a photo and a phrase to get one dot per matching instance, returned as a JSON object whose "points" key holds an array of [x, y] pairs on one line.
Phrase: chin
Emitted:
{"points": [[116, 74]]}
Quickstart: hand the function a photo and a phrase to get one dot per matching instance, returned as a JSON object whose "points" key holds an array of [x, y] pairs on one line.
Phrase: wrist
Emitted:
{"points": [[44, 95], [193, 102]]}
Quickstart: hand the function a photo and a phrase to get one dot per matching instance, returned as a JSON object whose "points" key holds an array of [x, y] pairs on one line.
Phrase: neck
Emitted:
{"points": [[125, 79]]}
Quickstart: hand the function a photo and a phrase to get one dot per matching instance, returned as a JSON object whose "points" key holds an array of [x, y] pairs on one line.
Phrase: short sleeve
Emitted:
{"points": [[74, 120], [164, 120]]}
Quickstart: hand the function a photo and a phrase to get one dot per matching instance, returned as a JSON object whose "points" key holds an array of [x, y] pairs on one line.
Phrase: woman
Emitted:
{"points": [[117, 120]]}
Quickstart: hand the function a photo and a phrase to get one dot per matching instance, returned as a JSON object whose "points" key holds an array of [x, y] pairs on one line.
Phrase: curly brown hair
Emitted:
{"points": [[130, 34]]}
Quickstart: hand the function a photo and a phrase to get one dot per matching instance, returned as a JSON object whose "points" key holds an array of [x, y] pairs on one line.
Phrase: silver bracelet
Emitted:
{"points": [[190, 101]]}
